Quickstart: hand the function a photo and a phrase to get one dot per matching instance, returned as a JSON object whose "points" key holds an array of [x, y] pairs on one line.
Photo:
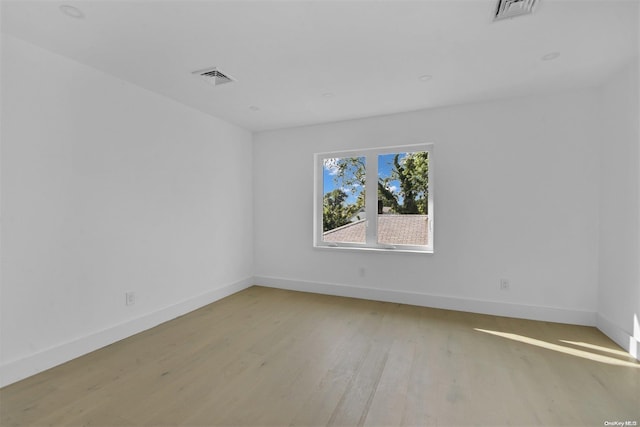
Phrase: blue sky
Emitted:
{"points": [[385, 166]]}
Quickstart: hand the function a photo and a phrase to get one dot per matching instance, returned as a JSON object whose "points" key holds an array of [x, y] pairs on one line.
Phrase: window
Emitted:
{"points": [[375, 199]]}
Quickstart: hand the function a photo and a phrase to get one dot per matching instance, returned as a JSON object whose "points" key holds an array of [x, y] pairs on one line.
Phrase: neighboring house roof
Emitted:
{"points": [[392, 229], [352, 232]]}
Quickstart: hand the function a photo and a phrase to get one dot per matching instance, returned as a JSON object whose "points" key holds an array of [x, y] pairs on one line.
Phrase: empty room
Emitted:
{"points": [[320, 213]]}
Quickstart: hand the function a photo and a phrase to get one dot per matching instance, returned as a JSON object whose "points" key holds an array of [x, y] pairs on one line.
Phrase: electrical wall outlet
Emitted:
{"points": [[130, 298], [504, 284]]}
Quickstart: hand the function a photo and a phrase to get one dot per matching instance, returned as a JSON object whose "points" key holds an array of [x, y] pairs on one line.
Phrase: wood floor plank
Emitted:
{"points": [[280, 358]]}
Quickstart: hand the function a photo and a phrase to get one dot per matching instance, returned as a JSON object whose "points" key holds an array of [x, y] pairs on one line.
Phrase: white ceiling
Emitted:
{"points": [[305, 62]]}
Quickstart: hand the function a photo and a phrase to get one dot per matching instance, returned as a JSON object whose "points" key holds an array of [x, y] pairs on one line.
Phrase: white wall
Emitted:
{"points": [[516, 197], [619, 274], [108, 188]]}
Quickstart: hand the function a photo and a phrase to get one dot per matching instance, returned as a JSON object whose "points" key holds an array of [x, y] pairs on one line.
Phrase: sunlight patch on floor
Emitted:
{"points": [[598, 348], [562, 349]]}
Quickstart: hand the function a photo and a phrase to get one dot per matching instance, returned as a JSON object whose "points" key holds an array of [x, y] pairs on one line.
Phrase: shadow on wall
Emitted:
{"points": [[635, 338]]}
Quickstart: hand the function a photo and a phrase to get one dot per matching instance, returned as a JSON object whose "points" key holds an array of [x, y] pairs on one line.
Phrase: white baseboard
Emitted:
{"points": [[618, 335], [548, 314], [16, 370]]}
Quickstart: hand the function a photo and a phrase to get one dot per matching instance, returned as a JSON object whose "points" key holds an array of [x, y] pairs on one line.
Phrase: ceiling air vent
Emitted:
{"points": [[510, 8], [214, 76]]}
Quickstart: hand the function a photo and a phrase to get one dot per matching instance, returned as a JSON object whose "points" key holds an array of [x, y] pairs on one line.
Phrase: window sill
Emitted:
{"points": [[370, 249]]}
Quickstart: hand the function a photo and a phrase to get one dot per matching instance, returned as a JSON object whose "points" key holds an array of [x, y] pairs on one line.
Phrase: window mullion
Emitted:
{"points": [[371, 198]]}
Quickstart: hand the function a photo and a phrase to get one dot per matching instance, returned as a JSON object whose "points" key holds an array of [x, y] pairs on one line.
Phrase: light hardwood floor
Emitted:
{"points": [[272, 357]]}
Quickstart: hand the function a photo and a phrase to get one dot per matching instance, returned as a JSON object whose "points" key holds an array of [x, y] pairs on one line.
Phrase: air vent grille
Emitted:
{"points": [[510, 8], [214, 76]]}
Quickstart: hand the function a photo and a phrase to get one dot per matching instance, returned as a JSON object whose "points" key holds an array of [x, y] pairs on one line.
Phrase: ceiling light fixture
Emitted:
{"points": [[327, 95], [425, 78], [550, 56], [71, 11]]}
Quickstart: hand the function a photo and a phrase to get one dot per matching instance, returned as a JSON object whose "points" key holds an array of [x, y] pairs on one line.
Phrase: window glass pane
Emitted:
{"points": [[403, 188], [343, 209]]}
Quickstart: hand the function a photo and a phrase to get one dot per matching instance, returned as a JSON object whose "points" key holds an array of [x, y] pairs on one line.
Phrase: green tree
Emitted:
{"points": [[413, 174], [412, 171], [335, 213], [386, 196], [349, 174]]}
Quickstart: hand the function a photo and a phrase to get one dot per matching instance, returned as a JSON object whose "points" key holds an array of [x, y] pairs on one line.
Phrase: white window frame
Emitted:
{"points": [[371, 199]]}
